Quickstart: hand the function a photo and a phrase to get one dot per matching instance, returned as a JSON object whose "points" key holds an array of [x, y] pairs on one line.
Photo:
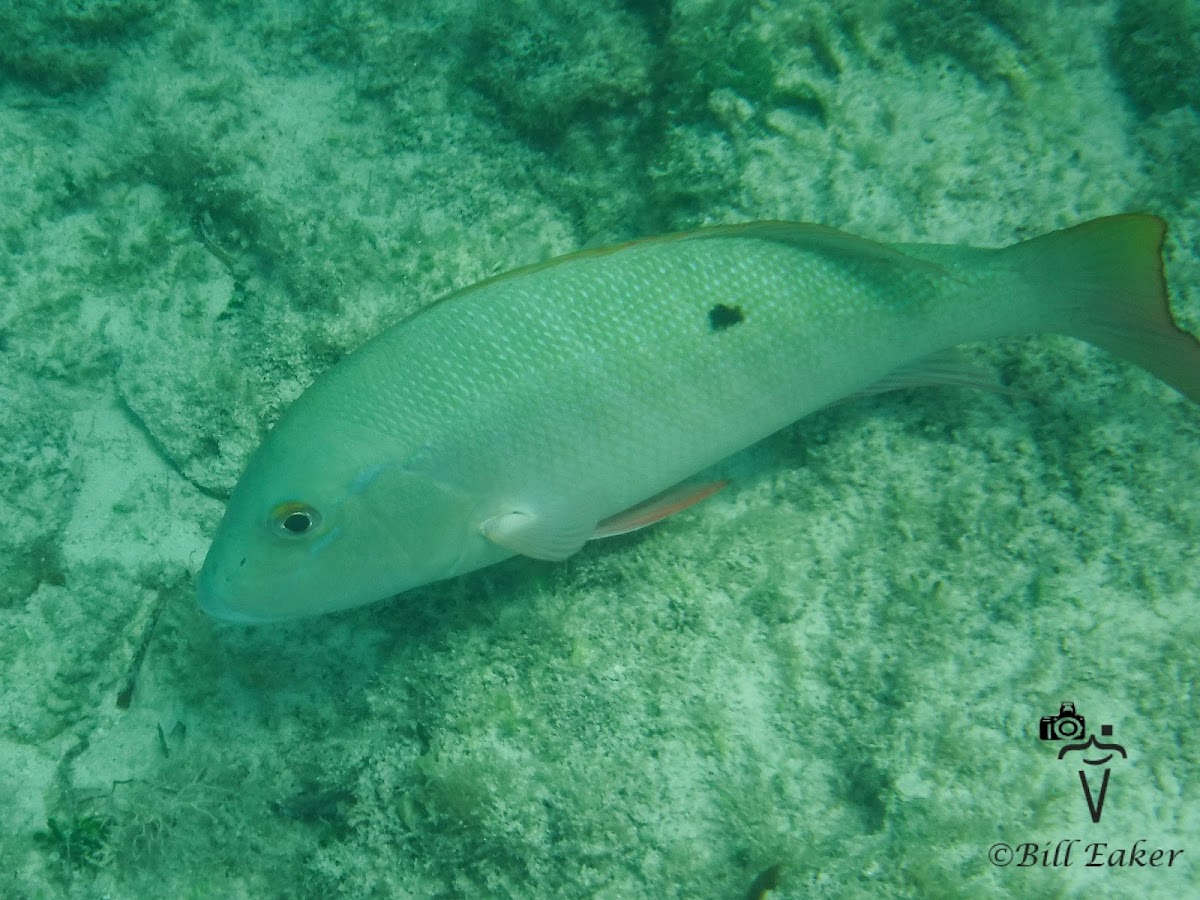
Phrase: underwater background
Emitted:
{"points": [[828, 678]]}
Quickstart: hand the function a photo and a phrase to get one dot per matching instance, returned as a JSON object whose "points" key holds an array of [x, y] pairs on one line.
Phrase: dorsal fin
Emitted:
{"points": [[802, 235], [809, 236]]}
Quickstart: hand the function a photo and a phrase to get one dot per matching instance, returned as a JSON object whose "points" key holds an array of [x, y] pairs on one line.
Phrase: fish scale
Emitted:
{"points": [[605, 335], [567, 400]]}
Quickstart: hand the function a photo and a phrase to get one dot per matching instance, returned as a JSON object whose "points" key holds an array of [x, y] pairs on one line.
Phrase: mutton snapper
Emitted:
{"points": [[536, 410]]}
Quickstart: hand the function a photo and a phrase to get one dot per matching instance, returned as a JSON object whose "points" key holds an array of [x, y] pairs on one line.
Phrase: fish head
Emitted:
{"points": [[321, 530]]}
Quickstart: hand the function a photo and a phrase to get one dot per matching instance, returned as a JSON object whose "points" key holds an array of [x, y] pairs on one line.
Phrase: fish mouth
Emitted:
{"points": [[214, 597], [218, 610], [216, 603]]}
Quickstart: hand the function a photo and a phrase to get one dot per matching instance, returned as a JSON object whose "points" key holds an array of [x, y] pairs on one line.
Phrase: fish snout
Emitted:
{"points": [[213, 593]]}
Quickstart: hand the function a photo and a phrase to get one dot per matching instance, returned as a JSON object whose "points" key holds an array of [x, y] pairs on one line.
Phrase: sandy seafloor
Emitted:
{"points": [[837, 666]]}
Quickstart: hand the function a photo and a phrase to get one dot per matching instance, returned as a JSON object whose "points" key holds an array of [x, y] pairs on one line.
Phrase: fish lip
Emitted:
{"points": [[212, 601], [224, 614], [215, 604]]}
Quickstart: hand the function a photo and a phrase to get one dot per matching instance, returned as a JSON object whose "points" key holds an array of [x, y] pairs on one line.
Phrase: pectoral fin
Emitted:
{"points": [[527, 533], [541, 536]]}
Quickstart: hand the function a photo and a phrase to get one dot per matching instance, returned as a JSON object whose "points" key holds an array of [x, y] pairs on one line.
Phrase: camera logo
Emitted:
{"points": [[1068, 725]]}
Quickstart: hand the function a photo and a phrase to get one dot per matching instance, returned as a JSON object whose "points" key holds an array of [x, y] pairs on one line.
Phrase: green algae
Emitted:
{"points": [[1155, 50], [57, 46], [973, 33]]}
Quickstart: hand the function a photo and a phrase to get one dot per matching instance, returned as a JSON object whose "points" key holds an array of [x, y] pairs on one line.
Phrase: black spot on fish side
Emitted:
{"points": [[721, 317]]}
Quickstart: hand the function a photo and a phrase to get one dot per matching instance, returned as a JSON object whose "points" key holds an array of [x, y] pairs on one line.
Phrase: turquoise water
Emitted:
{"points": [[837, 666]]}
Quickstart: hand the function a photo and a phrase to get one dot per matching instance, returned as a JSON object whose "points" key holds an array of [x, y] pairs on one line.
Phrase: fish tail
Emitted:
{"points": [[1104, 283]]}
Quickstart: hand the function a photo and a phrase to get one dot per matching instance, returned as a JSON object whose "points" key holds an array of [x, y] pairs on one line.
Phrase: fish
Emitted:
{"points": [[575, 399]]}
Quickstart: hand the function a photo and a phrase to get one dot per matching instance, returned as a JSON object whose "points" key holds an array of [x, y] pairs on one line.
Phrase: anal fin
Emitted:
{"points": [[947, 369]]}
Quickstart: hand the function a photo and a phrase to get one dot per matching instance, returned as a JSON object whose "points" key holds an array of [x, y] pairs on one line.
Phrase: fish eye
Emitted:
{"points": [[294, 519]]}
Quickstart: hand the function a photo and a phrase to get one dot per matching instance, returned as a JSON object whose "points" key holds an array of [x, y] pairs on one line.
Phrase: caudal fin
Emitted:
{"points": [[1104, 280]]}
